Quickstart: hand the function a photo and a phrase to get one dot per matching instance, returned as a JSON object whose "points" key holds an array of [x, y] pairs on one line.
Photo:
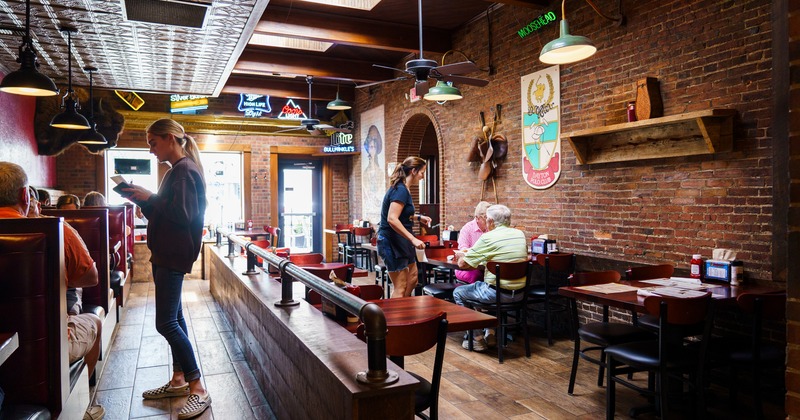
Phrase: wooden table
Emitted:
{"points": [[9, 343], [632, 301], [254, 235], [326, 268], [415, 308]]}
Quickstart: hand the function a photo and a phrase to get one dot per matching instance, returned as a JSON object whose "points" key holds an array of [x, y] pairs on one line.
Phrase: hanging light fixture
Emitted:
{"points": [[27, 80], [572, 48], [92, 136], [338, 104], [70, 118], [443, 92]]}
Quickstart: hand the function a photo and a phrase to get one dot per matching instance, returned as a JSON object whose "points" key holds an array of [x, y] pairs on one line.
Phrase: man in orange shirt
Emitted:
{"points": [[83, 330]]}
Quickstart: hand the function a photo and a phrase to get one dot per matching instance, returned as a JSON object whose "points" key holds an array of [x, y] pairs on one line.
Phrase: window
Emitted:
{"points": [[222, 170]]}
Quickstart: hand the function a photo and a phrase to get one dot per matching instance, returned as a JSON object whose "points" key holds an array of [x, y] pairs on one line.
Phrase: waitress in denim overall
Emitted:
{"points": [[396, 243]]}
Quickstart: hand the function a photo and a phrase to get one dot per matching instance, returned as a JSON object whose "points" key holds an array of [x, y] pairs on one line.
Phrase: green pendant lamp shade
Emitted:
{"points": [[92, 136], [27, 80], [338, 104], [567, 48], [443, 92], [70, 119]]}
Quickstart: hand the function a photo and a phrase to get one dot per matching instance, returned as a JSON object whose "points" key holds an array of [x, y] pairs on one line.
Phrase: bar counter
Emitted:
{"points": [[305, 363]]}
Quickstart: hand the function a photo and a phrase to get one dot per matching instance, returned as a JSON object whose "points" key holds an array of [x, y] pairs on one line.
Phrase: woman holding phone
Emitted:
{"points": [[174, 236]]}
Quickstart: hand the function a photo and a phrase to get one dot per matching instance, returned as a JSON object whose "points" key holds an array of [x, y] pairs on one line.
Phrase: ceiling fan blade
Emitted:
{"points": [[382, 82], [389, 68], [463, 67], [289, 129], [327, 127], [465, 80], [421, 87]]}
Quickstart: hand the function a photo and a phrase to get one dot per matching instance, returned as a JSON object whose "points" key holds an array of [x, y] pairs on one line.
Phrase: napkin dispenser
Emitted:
{"points": [[543, 246], [449, 235], [718, 270]]}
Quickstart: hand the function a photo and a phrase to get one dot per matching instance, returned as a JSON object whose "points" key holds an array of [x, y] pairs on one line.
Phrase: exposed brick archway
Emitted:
{"points": [[416, 127]]}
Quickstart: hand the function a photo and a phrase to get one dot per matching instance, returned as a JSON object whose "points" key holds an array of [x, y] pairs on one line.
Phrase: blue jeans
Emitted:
{"points": [[481, 292], [170, 322]]}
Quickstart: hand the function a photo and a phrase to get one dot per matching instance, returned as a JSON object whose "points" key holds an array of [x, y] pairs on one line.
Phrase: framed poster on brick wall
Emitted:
{"points": [[541, 128]]}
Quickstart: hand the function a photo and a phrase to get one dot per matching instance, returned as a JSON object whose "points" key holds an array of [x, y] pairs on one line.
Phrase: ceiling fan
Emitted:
{"points": [[422, 69], [312, 125]]}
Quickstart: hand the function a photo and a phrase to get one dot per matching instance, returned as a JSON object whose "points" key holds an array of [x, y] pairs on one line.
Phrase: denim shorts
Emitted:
{"points": [[389, 254]]}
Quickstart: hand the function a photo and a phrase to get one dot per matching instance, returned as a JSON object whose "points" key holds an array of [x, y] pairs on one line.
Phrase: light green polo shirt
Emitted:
{"points": [[501, 244]]}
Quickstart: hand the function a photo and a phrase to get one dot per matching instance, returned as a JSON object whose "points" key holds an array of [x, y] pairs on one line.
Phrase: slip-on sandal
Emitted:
{"points": [[195, 405], [166, 391]]}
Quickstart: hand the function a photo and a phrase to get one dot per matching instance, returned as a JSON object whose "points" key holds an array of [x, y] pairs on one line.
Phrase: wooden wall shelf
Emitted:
{"points": [[693, 133]]}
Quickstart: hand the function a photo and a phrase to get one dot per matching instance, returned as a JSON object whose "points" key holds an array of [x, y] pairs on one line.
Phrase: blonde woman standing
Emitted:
{"points": [[174, 236], [396, 243]]}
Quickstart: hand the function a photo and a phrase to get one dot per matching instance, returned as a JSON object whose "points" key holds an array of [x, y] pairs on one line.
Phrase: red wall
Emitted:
{"points": [[18, 141]]}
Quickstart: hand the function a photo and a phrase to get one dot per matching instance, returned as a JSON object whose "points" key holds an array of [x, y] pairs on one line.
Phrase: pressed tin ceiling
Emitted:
{"points": [[241, 46], [135, 55]]}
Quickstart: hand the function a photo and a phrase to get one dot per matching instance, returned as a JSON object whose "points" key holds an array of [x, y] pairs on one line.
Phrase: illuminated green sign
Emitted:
{"points": [[537, 24]]}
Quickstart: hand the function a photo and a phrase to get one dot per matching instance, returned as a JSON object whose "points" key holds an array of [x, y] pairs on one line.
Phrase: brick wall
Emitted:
{"points": [[791, 139], [641, 211]]}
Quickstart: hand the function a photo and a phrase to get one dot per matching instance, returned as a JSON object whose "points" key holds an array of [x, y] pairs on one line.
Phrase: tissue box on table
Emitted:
{"points": [[719, 266]]}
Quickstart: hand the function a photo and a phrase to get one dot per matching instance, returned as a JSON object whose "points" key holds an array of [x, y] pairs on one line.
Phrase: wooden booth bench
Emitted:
{"points": [[92, 225], [33, 304]]}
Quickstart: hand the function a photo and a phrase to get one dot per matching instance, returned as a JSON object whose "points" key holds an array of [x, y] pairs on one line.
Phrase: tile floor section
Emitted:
{"points": [[140, 360]]}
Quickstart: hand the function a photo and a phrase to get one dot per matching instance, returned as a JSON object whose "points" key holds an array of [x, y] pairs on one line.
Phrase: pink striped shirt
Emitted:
{"points": [[467, 237]]}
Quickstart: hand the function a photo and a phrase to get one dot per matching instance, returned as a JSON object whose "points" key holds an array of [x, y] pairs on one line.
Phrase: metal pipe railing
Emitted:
{"points": [[369, 313]]}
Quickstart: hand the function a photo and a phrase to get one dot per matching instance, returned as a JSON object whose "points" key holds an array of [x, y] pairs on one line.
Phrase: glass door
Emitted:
{"points": [[300, 205]]}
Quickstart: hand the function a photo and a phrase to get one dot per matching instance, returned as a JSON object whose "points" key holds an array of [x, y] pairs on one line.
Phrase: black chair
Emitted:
{"points": [[648, 272], [753, 353], [414, 338], [439, 282], [503, 306], [669, 357], [556, 269], [342, 229], [354, 253], [599, 335]]}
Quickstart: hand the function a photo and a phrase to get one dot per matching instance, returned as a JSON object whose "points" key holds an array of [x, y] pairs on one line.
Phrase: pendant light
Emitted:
{"points": [[92, 136], [572, 48], [443, 92], [338, 104], [27, 80], [69, 118]]}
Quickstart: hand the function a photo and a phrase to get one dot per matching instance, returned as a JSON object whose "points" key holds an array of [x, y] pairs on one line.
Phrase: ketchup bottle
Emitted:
{"points": [[695, 266]]}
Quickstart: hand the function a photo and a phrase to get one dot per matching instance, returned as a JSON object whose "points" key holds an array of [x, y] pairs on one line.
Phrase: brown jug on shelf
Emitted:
{"points": [[648, 99]]}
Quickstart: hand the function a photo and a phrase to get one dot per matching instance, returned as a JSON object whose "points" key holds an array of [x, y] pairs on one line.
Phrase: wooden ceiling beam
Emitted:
{"points": [[532, 4], [286, 88], [269, 62], [351, 31]]}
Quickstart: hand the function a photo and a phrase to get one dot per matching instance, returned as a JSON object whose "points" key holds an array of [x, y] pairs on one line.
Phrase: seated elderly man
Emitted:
{"points": [[17, 200], [500, 243]]}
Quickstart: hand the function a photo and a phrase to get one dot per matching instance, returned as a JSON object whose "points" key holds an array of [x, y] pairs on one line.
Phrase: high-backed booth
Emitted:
{"points": [[33, 304], [92, 225]]}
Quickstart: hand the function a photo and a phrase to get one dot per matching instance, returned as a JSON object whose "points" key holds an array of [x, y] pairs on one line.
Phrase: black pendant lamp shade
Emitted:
{"points": [[27, 80], [70, 119], [92, 136]]}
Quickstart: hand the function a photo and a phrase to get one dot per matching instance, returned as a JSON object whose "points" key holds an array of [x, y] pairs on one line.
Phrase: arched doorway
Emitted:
{"points": [[420, 136]]}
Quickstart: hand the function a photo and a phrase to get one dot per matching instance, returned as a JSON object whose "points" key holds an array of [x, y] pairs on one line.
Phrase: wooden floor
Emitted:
{"points": [[474, 385]]}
